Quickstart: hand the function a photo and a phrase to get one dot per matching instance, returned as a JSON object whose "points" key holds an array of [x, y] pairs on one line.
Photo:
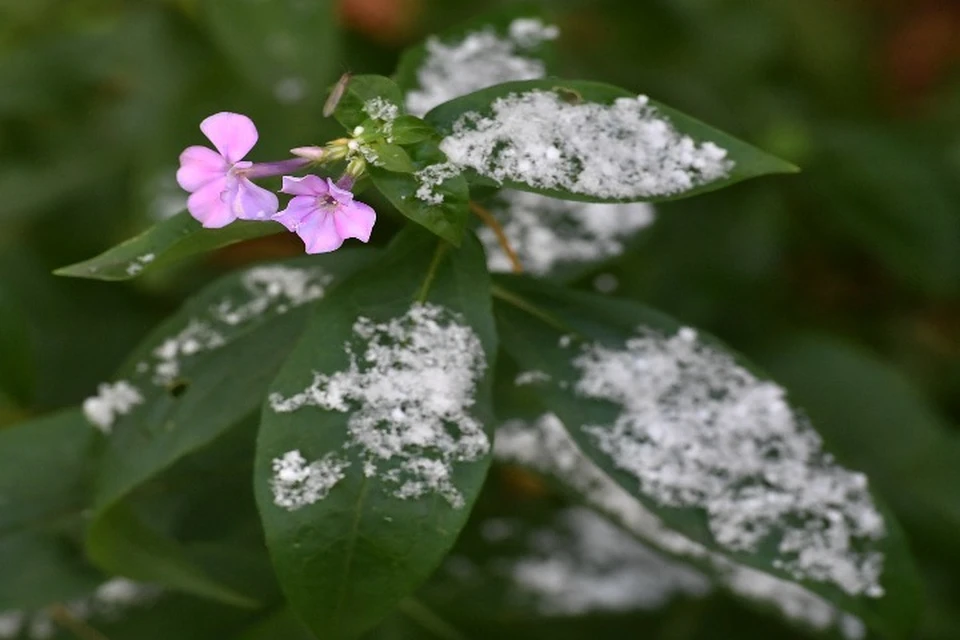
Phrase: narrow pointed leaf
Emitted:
{"points": [[565, 335], [176, 238], [589, 141]]}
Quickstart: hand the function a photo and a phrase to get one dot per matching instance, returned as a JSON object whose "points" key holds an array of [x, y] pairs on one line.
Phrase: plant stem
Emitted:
{"points": [[432, 271], [62, 616], [491, 222], [511, 298]]}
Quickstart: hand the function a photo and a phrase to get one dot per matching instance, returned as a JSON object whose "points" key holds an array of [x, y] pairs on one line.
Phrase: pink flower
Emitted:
{"points": [[323, 214], [219, 181]]}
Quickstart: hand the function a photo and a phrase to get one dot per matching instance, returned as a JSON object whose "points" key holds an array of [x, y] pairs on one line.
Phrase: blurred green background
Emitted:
{"points": [[843, 281]]}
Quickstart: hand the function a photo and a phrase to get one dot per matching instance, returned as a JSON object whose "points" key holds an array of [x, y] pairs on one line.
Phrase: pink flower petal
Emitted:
{"points": [[207, 205], [200, 166], [319, 233], [233, 134], [308, 185], [253, 202], [343, 196], [297, 209], [355, 220]]}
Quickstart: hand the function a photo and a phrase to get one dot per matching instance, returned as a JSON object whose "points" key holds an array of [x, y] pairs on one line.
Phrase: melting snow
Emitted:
{"points": [[409, 395], [107, 602], [698, 430], [546, 446], [111, 402], [625, 150], [546, 232], [481, 59]]}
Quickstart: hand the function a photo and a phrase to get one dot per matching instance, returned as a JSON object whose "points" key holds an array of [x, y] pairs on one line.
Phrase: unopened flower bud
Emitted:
{"points": [[313, 154]]}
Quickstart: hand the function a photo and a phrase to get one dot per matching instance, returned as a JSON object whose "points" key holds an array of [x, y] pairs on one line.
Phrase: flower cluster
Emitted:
{"points": [[322, 212]]}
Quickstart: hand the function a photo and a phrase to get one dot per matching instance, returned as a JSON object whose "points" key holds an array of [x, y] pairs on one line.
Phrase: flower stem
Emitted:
{"points": [[491, 222]]}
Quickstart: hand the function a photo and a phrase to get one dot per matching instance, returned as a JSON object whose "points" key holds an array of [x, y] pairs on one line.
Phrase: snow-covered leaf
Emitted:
{"points": [[710, 447], [375, 439], [591, 141], [514, 43]]}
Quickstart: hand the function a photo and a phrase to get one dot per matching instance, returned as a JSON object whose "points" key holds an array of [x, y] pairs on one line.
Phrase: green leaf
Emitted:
{"points": [[414, 65], [42, 567], [749, 162], [120, 542], [45, 468], [350, 110], [16, 352], [392, 157], [408, 129], [288, 48], [536, 320], [446, 218], [347, 559], [197, 376], [176, 238]]}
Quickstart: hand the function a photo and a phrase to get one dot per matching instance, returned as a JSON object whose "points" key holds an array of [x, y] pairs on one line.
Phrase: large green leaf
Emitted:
{"points": [[176, 238], [528, 151], [544, 329], [346, 559], [42, 567], [196, 376], [288, 47], [45, 469]]}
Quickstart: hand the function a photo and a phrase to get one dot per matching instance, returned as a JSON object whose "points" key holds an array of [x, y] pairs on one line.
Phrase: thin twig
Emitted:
{"points": [[62, 616], [420, 613], [491, 222]]}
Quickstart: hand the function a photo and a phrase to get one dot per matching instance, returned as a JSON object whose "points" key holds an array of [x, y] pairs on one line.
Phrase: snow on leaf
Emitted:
{"points": [[698, 430], [481, 59], [546, 232], [297, 484], [409, 396], [545, 445], [111, 402], [431, 177], [625, 150]]}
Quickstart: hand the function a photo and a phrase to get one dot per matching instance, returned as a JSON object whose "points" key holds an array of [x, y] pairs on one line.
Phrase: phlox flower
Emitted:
{"points": [[219, 181], [323, 214]]}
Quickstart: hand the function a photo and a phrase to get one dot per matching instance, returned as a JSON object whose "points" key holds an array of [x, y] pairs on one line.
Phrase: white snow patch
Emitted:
{"points": [[137, 264], [545, 446], [625, 150], [546, 232], [409, 397], [273, 286], [111, 402], [297, 484], [108, 602], [531, 377], [698, 430], [431, 177], [381, 109], [586, 564], [481, 59]]}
